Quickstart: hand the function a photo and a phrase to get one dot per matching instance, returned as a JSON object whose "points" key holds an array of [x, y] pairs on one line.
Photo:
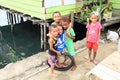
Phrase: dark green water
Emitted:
{"points": [[23, 42]]}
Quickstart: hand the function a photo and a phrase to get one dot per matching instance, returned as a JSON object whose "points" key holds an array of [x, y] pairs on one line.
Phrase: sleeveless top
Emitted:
{"points": [[54, 46]]}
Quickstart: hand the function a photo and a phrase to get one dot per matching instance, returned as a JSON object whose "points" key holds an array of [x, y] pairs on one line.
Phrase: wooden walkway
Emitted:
{"points": [[109, 68]]}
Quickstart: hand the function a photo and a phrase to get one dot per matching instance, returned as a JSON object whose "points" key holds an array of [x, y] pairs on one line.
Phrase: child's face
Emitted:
{"points": [[65, 24], [93, 18], [54, 32], [60, 30], [56, 17]]}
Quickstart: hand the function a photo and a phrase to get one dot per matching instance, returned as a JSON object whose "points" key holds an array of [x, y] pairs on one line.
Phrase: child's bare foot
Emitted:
{"points": [[95, 62], [89, 60], [54, 75], [73, 68]]}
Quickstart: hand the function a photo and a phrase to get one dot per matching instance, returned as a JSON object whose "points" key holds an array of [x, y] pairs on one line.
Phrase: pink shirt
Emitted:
{"points": [[93, 32]]}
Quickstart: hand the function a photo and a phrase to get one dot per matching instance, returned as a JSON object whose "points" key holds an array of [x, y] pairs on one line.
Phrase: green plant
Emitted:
{"points": [[95, 5]]}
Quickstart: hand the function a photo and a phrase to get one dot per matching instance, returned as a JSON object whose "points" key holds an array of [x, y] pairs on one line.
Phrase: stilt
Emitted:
{"points": [[8, 17], [21, 19], [41, 32], [72, 17], [44, 36], [18, 19], [11, 21], [14, 18], [45, 25]]}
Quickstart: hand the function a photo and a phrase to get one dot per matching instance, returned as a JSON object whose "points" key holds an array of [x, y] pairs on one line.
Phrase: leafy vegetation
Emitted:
{"points": [[96, 5]]}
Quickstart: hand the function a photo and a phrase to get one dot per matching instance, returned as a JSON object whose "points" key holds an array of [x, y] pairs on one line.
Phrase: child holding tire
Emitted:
{"points": [[69, 37]]}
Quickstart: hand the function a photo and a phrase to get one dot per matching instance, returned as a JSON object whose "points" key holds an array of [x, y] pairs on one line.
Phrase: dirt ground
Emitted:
{"points": [[105, 49]]}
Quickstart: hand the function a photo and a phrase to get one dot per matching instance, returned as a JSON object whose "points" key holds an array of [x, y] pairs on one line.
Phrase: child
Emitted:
{"points": [[53, 31], [69, 37], [56, 17], [92, 36], [61, 42]]}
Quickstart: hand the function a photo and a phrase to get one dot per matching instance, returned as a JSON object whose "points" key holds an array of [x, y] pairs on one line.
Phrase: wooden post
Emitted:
{"points": [[41, 33], [8, 17], [14, 16], [62, 2], [72, 18], [11, 21], [44, 24], [18, 19], [76, 7], [44, 36]]}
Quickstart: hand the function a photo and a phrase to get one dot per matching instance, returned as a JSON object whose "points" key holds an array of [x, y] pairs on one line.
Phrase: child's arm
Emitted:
{"points": [[99, 32], [68, 34], [70, 25], [51, 47], [86, 35]]}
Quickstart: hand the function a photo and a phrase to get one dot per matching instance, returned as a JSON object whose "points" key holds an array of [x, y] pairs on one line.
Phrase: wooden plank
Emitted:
{"points": [[65, 12], [17, 5], [60, 8], [24, 7], [109, 68], [104, 73], [37, 14], [110, 23], [112, 61]]}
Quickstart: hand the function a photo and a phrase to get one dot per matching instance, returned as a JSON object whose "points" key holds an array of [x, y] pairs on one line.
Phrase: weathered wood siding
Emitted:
{"points": [[30, 7]]}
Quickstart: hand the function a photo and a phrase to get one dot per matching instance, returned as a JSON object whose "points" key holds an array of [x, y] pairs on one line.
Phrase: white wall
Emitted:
{"points": [[53, 3], [3, 18]]}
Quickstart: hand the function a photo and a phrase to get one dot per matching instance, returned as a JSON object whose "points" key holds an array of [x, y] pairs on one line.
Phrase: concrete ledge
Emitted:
{"points": [[15, 69]]}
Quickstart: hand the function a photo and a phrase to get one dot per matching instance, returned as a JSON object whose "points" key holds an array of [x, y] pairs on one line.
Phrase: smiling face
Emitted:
{"points": [[54, 32], [65, 24], [56, 17], [60, 29]]}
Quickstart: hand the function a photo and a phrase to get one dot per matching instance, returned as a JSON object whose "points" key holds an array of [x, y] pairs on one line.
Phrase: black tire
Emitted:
{"points": [[68, 66]]}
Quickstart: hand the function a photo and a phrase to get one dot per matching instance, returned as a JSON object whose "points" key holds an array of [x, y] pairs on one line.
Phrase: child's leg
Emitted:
{"points": [[89, 54], [52, 71], [95, 48], [74, 66], [94, 57], [52, 63], [89, 46]]}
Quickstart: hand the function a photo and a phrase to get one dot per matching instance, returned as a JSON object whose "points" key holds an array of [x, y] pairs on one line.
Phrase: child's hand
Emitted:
{"points": [[49, 35], [58, 53], [67, 33]]}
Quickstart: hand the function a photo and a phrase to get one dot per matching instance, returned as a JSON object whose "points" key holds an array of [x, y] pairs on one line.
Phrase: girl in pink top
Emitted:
{"points": [[92, 36]]}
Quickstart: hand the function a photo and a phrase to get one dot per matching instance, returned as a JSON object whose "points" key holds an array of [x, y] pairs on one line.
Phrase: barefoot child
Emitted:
{"points": [[61, 41], [92, 36], [69, 37], [53, 53]]}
